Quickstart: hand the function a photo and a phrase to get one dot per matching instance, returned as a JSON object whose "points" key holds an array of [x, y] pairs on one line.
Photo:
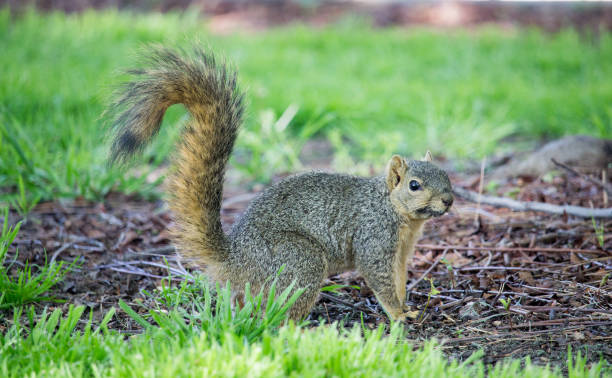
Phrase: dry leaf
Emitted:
{"points": [[127, 237], [527, 277], [95, 234], [457, 260]]}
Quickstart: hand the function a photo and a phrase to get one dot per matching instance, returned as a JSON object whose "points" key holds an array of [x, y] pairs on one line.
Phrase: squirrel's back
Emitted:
{"points": [[316, 197], [327, 208]]}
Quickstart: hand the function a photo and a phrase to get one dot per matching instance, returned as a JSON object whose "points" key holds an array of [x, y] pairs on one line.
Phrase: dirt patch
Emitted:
{"points": [[552, 271]]}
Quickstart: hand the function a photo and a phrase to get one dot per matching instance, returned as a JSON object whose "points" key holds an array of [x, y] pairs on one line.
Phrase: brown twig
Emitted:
{"points": [[605, 186], [604, 181], [480, 189], [578, 211], [515, 268], [60, 250], [555, 322], [348, 304], [456, 303], [161, 250], [570, 328], [140, 273], [133, 265], [522, 335], [445, 297], [481, 292], [416, 282], [511, 249], [569, 309], [461, 340]]}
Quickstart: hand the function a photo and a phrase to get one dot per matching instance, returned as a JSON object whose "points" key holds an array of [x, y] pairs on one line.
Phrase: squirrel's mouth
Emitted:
{"points": [[431, 212]]}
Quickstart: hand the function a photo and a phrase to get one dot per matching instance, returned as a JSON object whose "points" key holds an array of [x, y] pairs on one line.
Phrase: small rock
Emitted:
{"points": [[578, 151]]}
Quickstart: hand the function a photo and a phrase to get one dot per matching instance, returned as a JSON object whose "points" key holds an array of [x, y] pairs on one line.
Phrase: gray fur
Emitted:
{"points": [[313, 224]]}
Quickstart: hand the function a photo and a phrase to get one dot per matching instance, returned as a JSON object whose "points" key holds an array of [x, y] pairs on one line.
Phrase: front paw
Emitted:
{"points": [[408, 313], [403, 314], [412, 315], [395, 314]]}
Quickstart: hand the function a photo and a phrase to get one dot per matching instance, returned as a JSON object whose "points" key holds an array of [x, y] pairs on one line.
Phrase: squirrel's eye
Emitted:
{"points": [[414, 185]]}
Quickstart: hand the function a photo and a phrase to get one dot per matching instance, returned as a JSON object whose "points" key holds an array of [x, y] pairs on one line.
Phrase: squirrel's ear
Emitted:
{"points": [[427, 157], [395, 172]]}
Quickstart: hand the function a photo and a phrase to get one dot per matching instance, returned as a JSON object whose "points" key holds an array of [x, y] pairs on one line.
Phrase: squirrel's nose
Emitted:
{"points": [[447, 201]]}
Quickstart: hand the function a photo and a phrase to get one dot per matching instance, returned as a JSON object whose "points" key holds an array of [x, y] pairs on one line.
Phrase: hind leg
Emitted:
{"points": [[304, 264]]}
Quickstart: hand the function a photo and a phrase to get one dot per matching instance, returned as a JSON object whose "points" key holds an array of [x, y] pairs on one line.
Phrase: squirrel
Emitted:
{"points": [[313, 224]]}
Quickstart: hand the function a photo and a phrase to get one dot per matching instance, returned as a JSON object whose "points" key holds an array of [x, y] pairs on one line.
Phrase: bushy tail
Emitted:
{"points": [[209, 92]]}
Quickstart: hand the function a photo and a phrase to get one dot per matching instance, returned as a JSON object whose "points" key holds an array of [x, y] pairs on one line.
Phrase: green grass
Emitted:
{"points": [[454, 92], [220, 345], [193, 307], [27, 286]]}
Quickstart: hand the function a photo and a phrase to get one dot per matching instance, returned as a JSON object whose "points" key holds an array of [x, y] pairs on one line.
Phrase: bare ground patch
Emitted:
{"points": [[553, 271]]}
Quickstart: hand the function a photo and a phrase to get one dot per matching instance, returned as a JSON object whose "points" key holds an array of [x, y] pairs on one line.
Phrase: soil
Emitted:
{"points": [[552, 270]]}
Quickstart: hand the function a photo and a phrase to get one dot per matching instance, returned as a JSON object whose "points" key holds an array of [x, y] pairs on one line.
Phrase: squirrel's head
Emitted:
{"points": [[418, 189]]}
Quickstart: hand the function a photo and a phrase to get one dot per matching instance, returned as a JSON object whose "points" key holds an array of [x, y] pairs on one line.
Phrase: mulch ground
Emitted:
{"points": [[552, 270]]}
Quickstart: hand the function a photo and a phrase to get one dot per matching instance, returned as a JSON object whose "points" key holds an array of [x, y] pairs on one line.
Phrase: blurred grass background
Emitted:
{"points": [[371, 92]]}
